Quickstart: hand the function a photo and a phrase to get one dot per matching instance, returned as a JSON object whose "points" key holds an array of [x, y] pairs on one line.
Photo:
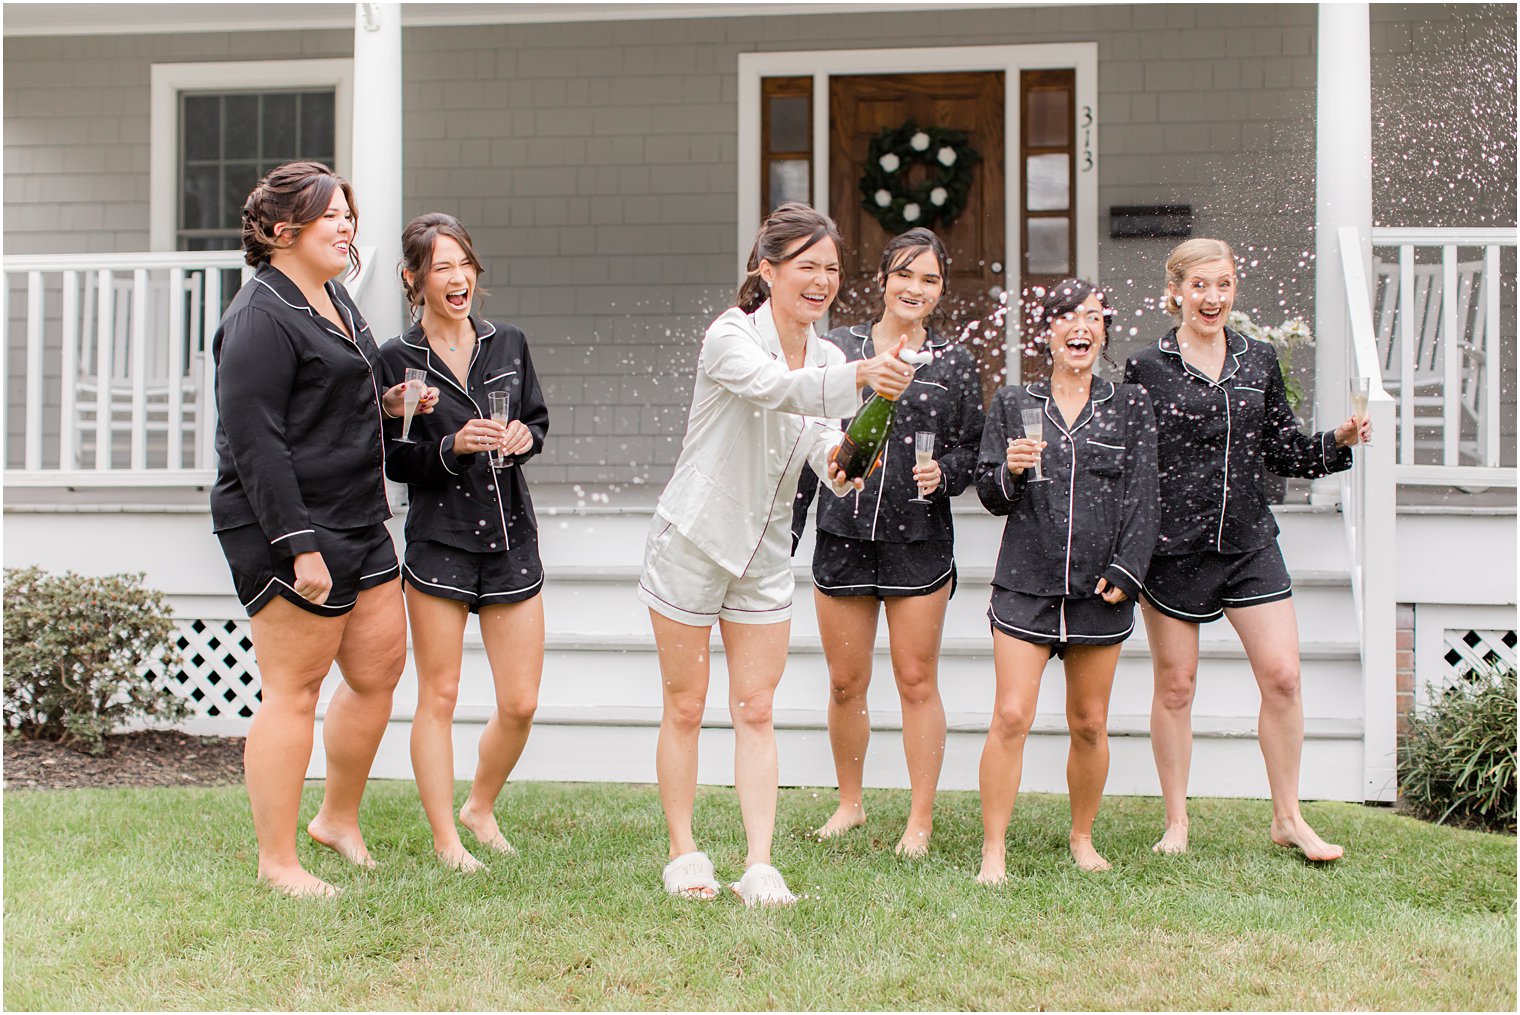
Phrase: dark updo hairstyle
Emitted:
{"points": [[904, 248], [1065, 297], [417, 241], [297, 194], [786, 225]]}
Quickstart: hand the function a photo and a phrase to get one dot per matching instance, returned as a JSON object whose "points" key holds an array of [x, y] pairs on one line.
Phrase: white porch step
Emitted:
{"points": [[601, 599]]}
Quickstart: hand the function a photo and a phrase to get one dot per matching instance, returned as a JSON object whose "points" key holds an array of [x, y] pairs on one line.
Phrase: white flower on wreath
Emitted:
{"points": [[919, 141], [938, 196], [911, 211], [883, 198], [946, 156], [889, 162]]}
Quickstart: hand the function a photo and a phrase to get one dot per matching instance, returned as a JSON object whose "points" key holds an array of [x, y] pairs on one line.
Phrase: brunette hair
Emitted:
{"points": [[902, 249], [297, 194], [417, 241], [1064, 298], [1187, 255], [787, 224]]}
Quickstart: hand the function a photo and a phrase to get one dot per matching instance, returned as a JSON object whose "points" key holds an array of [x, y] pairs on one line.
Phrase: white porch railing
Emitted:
{"points": [[107, 361], [1368, 499], [1436, 319]]}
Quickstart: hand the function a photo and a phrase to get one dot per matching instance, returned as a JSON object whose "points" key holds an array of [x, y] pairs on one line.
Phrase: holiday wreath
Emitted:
{"points": [[896, 202]]}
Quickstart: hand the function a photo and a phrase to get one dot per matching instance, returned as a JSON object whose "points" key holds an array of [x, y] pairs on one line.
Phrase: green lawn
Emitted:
{"points": [[146, 899]]}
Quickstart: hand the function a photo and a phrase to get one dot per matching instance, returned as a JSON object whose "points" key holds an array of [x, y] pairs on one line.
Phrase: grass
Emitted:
{"points": [[145, 899]]}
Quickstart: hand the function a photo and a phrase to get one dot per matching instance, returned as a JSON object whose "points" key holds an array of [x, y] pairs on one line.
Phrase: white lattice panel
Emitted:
{"points": [[216, 674], [1469, 650]]}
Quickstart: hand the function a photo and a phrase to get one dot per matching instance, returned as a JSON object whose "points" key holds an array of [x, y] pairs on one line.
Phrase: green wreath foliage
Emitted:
{"points": [[938, 201]]}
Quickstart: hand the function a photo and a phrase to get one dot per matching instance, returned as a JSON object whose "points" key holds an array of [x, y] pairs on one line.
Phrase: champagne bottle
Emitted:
{"points": [[867, 433]]}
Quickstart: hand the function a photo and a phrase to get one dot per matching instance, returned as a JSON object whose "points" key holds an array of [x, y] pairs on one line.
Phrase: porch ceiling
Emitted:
{"points": [[149, 19]]}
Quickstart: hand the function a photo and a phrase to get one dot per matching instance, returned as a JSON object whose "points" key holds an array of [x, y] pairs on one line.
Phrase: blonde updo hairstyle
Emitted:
{"points": [[417, 241], [296, 194], [1186, 256]]}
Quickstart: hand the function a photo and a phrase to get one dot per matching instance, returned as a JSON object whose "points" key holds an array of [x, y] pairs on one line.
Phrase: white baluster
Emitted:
{"points": [[105, 325], [34, 371], [205, 418], [1491, 411], [1407, 325], [1451, 355], [176, 411], [68, 417], [138, 361]]}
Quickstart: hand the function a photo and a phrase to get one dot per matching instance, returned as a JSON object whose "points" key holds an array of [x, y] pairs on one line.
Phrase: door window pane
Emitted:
{"points": [[1049, 122], [789, 181], [200, 198], [789, 123], [1047, 182], [1049, 247]]}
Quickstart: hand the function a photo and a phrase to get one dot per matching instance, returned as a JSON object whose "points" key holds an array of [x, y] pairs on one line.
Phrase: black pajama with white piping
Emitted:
{"points": [[471, 534]]}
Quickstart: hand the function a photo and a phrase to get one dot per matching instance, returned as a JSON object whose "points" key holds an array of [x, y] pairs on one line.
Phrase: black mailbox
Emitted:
{"points": [[1150, 220]]}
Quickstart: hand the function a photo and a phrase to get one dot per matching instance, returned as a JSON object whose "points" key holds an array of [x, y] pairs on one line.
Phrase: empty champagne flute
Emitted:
{"points": [[500, 403], [1034, 429], [416, 380], [1361, 387], [923, 454]]}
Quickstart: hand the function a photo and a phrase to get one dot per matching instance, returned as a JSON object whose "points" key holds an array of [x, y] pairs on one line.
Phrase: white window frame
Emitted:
{"points": [[170, 79], [1011, 60]]}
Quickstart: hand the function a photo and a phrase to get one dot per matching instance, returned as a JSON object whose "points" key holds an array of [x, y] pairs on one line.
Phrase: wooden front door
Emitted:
{"points": [[860, 106]]}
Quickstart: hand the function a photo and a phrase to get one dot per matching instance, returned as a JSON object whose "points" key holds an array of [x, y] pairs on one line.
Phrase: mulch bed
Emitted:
{"points": [[146, 758]]}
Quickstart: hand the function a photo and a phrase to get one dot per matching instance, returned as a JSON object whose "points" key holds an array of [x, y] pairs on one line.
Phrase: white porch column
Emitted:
{"points": [[1342, 197], [377, 160]]}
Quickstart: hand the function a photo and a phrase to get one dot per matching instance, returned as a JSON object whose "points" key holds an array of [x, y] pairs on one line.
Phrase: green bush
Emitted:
{"points": [[1457, 764], [75, 651]]}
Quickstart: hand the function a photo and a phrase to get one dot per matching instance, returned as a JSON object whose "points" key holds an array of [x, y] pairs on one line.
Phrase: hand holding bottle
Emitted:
{"points": [[885, 373]]}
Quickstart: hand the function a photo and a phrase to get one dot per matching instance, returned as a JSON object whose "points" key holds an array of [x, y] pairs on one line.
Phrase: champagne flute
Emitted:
{"points": [[1361, 387], [416, 380], [923, 454], [1034, 429], [500, 404]]}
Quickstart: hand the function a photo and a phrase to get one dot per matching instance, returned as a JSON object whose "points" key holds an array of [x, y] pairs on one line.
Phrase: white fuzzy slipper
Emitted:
{"points": [[690, 876], [763, 885]]}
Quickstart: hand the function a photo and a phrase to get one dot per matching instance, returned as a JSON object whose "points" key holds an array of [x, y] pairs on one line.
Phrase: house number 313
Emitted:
{"points": [[1087, 152]]}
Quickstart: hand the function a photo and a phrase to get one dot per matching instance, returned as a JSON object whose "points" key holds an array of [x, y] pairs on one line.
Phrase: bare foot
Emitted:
{"points": [[346, 842], [460, 860], [1085, 857], [483, 826], [848, 816], [914, 843], [994, 867], [1174, 840], [1296, 834], [297, 883]]}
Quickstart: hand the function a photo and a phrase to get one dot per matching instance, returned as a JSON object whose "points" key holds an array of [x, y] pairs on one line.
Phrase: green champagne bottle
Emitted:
{"points": [[867, 433]]}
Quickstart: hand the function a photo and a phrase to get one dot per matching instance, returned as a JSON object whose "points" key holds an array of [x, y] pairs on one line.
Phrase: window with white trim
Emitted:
{"points": [[229, 140]]}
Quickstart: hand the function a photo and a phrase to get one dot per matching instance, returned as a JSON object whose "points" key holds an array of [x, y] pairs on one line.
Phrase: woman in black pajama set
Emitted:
{"points": [[1222, 415], [1074, 554], [471, 537], [876, 547], [299, 507]]}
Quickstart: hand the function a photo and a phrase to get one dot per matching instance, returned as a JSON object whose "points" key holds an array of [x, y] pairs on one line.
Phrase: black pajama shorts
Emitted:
{"points": [[356, 559]]}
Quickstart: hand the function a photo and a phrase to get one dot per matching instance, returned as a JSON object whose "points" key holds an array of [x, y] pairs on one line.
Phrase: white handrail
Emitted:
{"points": [[1477, 236], [1368, 494]]}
